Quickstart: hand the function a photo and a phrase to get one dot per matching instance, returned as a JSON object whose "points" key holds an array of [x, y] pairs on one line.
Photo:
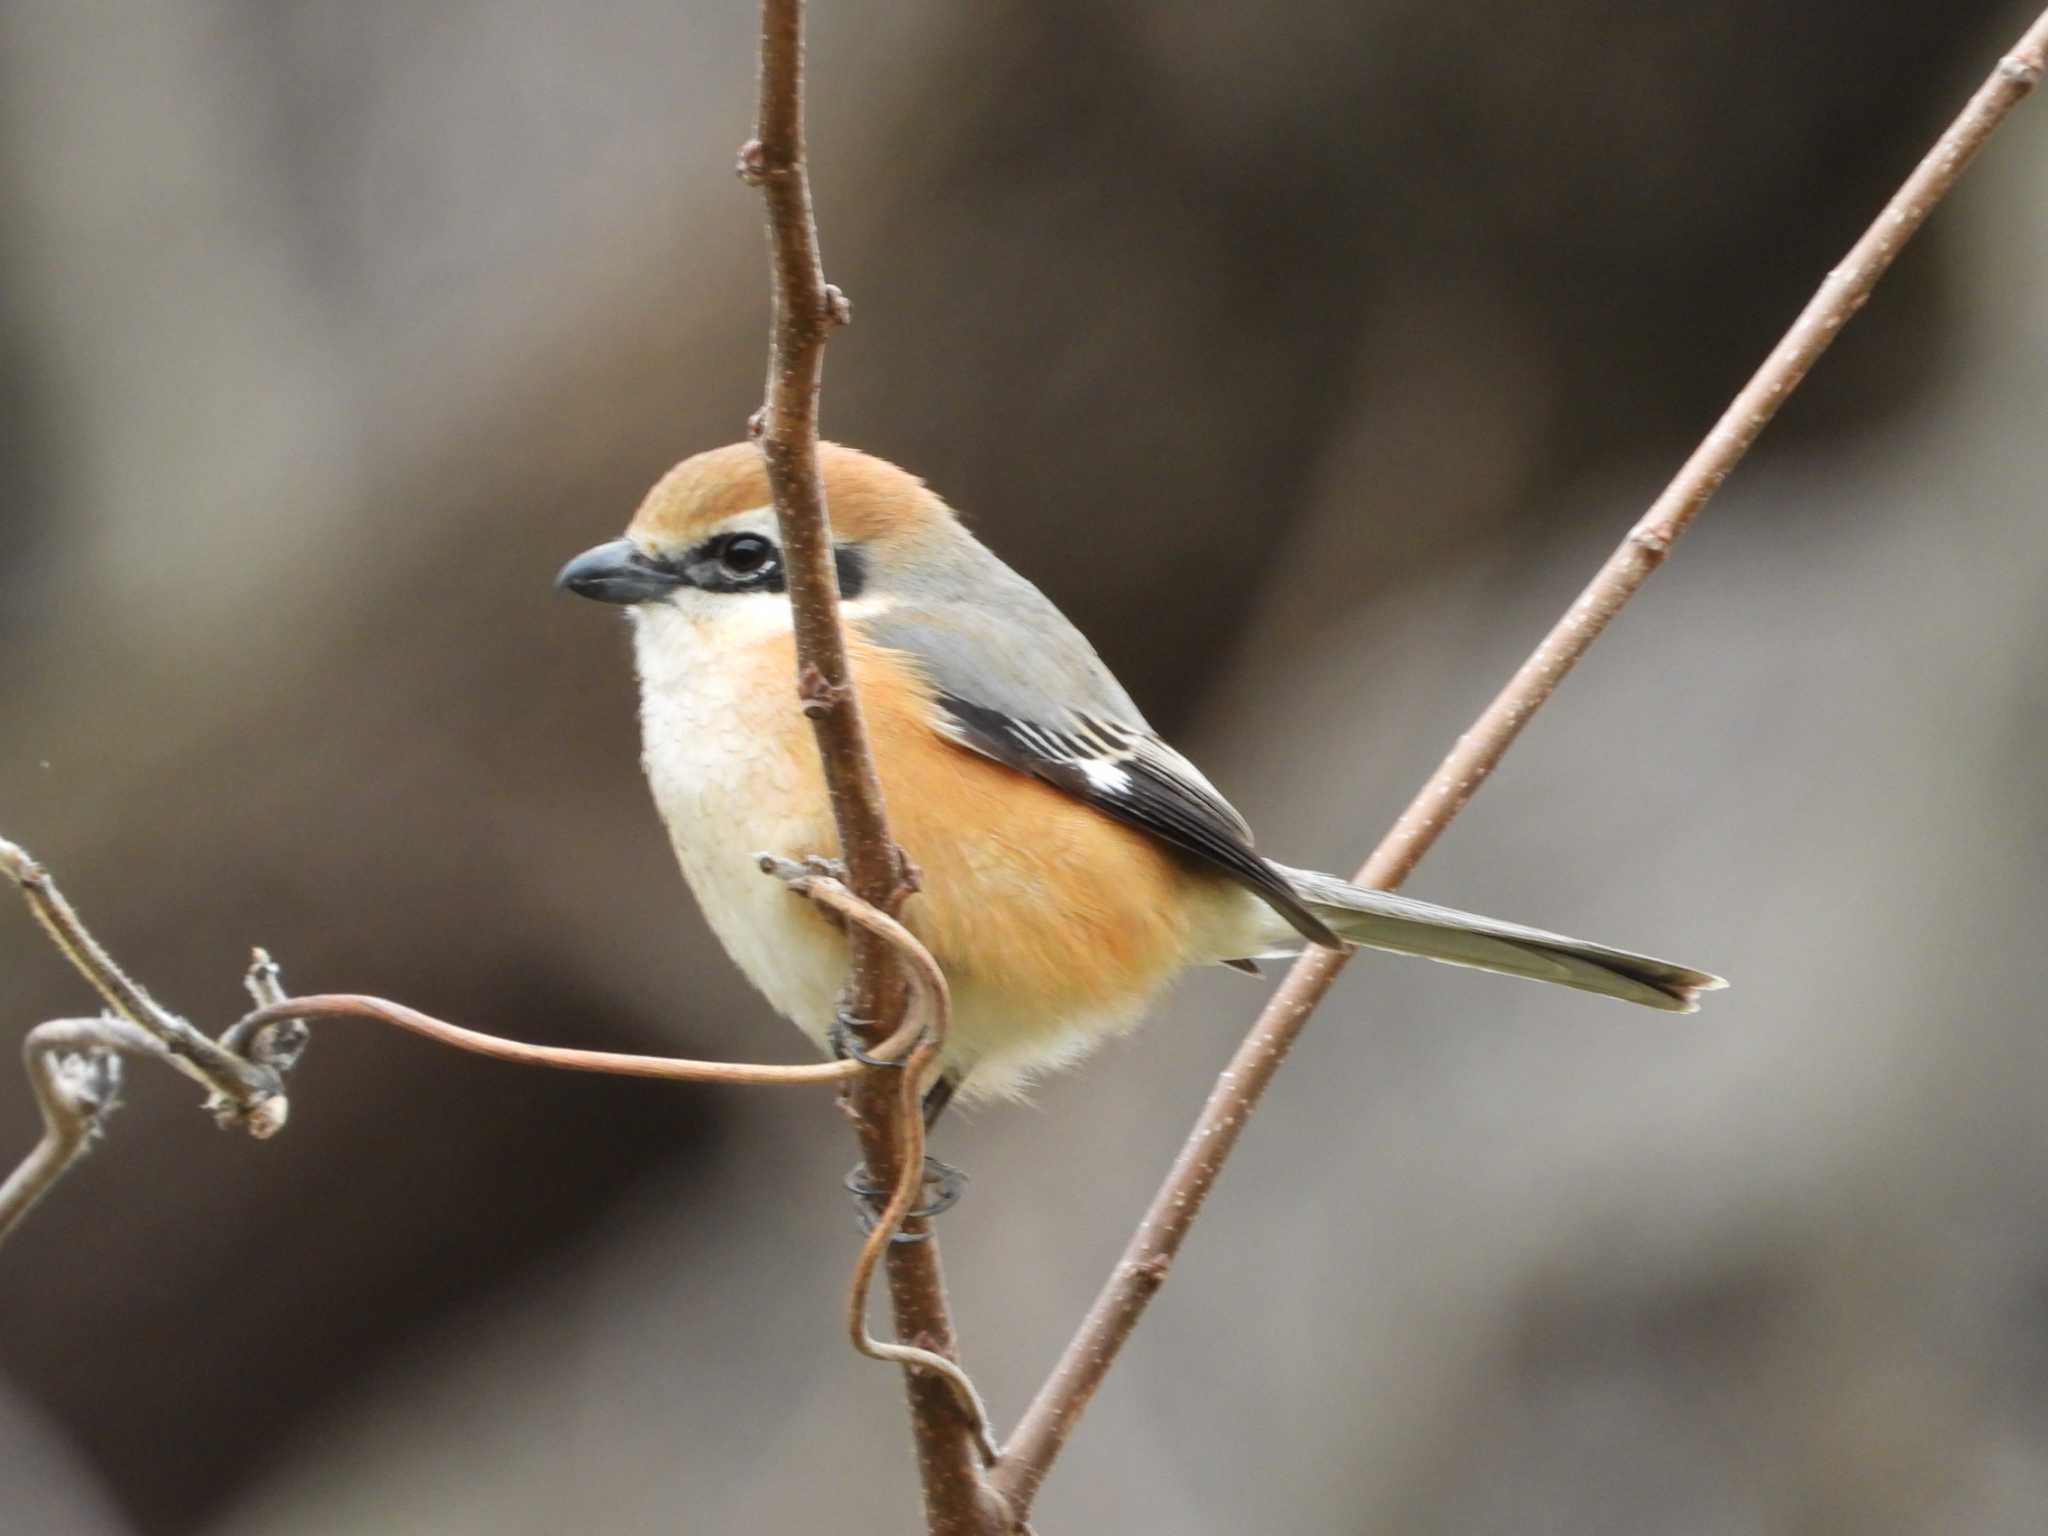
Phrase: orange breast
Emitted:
{"points": [[1026, 889], [1027, 895]]}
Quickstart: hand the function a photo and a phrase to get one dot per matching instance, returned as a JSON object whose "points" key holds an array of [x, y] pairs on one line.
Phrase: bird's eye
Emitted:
{"points": [[746, 554]]}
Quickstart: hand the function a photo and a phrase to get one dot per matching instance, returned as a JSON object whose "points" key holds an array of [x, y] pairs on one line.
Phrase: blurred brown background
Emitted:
{"points": [[1310, 354]]}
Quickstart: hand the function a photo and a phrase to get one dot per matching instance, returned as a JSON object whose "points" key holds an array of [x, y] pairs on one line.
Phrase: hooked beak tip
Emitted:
{"points": [[617, 573]]}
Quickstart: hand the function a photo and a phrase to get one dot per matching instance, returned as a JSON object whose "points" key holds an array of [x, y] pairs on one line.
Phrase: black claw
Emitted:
{"points": [[946, 1182], [847, 1037]]}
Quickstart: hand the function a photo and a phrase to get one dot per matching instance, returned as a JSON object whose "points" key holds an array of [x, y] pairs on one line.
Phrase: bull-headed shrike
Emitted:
{"points": [[1072, 863]]}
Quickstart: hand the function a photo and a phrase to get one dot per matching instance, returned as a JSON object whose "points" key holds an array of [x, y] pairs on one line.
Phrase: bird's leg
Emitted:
{"points": [[937, 1097]]}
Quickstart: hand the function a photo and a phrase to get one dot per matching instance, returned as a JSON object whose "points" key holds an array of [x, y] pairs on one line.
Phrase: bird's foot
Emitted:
{"points": [[848, 1037], [945, 1182]]}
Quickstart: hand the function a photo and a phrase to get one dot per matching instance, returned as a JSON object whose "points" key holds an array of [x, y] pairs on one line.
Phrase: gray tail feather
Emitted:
{"points": [[1380, 920]]}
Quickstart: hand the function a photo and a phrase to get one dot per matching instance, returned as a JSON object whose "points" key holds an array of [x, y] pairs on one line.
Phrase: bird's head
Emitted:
{"points": [[704, 542]]}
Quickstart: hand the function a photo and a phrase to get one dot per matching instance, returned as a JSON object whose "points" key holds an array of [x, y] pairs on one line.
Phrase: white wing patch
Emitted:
{"points": [[1103, 752], [1132, 775], [1106, 777]]}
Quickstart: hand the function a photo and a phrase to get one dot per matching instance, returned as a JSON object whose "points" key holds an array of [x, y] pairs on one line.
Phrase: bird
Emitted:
{"points": [[1071, 863]]}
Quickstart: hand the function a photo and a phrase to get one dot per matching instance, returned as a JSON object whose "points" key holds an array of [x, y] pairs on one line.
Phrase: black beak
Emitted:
{"points": [[617, 573]]}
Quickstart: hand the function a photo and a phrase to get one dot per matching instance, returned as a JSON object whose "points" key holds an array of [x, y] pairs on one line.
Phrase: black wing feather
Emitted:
{"points": [[1136, 781]]}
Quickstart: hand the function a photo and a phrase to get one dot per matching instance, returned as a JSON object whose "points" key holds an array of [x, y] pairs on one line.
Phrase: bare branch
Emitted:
{"points": [[1050, 1419], [74, 1065], [275, 1045], [807, 310], [957, 1499], [245, 1092]]}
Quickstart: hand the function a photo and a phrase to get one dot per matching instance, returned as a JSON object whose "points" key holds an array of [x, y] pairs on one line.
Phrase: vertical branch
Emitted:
{"points": [[806, 311], [1051, 1418]]}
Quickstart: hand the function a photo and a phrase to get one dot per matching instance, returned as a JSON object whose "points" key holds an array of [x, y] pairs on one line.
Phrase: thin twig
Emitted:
{"points": [[76, 1091], [675, 1069], [1060, 1402], [956, 1494], [74, 1065], [807, 311], [278, 1043], [245, 1091]]}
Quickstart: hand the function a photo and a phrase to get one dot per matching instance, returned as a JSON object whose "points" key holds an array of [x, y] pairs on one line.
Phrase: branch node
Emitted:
{"points": [[277, 1044], [2022, 71], [752, 165], [819, 695], [783, 869], [90, 1083], [1150, 1273], [264, 980], [757, 424], [838, 307], [74, 1067], [262, 1119], [1652, 541]]}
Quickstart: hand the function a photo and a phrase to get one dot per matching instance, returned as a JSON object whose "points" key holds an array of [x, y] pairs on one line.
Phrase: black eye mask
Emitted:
{"points": [[751, 562]]}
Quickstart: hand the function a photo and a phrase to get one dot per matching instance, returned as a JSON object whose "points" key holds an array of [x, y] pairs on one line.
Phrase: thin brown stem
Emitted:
{"points": [[340, 1005], [806, 310], [1051, 1418], [274, 1043]]}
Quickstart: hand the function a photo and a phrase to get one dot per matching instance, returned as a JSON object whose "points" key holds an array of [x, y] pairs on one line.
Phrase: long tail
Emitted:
{"points": [[1379, 920]]}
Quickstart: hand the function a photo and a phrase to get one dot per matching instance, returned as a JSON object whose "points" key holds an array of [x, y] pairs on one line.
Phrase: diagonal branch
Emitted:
{"points": [[806, 311], [1051, 1418]]}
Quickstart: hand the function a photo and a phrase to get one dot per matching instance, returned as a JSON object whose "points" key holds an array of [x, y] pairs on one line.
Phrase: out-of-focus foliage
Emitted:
{"points": [[1310, 354]]}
